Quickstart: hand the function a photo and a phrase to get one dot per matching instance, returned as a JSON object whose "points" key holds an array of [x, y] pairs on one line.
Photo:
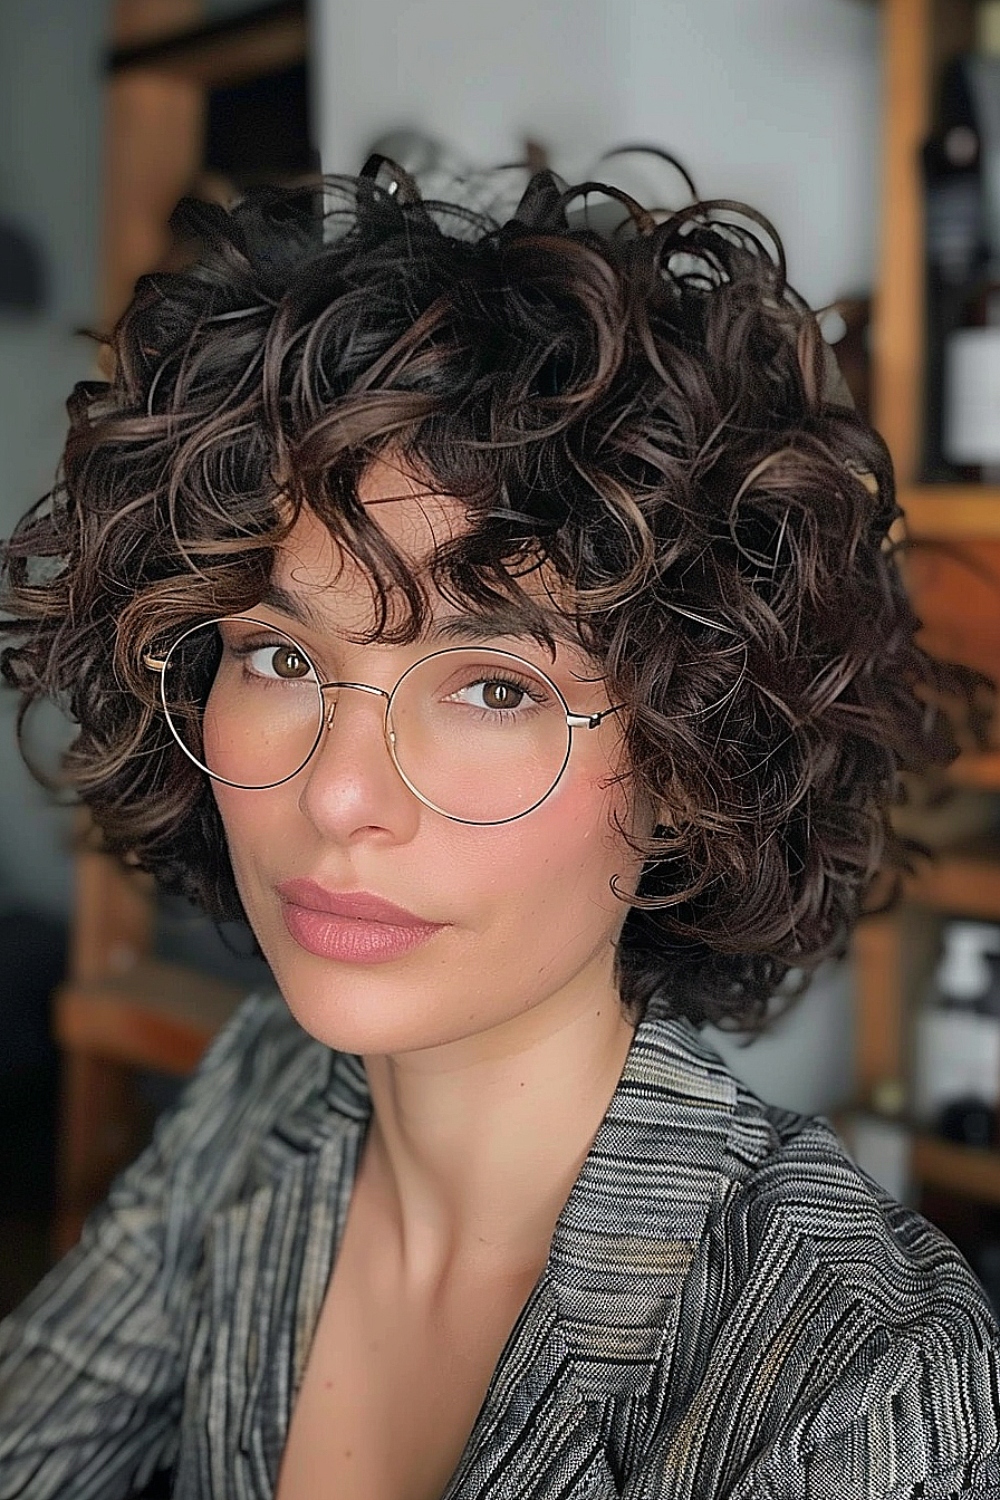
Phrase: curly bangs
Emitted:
{"points": [[642, 411]]}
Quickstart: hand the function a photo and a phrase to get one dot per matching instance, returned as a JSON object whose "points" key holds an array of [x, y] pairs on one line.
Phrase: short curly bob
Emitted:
{"points": [[643, 410]]}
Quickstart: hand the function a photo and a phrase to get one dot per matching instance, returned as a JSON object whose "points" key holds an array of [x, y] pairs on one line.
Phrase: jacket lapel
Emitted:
{"points": [[626, 1237], [596, 1336], [596, 1331], [267, 1265]]}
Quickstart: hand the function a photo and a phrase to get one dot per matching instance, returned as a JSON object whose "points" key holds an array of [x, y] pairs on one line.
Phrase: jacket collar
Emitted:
{"points": [[627, 1234], [600, 1321], [640, 1200]]}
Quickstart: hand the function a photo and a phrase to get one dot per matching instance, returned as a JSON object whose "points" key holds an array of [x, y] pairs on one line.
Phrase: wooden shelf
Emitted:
{"points": [[154, 1015], [965, 1170], [953, 589], [981, 772], [951, 512], [962, 882]]}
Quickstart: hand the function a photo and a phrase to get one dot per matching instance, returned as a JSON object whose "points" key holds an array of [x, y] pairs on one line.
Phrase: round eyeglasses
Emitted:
{"points": [[477, 734]]}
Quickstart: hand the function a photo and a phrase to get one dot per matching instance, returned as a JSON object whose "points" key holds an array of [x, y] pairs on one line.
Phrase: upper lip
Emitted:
{"points": [[361, 905]]}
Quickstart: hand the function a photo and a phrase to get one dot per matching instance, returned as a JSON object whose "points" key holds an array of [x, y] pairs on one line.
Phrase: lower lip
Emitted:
{"points": [[351, 940]]}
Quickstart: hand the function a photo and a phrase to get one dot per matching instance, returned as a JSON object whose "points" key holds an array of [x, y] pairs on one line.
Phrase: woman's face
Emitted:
{"points": [[523, 916]]}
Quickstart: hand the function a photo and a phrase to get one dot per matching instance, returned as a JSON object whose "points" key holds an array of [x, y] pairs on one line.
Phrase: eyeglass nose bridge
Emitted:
{"points": [[330, 709]]}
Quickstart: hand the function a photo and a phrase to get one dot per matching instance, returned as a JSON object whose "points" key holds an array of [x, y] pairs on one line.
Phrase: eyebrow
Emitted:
{"points": [[292, 605], [474, 628], [497, 622]]}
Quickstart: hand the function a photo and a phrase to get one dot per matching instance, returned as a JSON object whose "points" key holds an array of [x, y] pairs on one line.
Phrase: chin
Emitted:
{"points": [[356, 1010], [369, 1005]]}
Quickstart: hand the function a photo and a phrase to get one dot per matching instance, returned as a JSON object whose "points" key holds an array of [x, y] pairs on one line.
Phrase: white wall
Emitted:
{"points": [[51, 86], [772, 101], [775, 102], [806, 1063]]}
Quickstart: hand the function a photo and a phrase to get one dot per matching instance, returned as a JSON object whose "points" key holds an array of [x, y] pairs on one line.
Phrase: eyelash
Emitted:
{"points": [[504, 678], [246, 649], [519, 684]]}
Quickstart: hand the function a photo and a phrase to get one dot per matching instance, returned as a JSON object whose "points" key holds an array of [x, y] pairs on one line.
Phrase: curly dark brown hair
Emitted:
{"points": [[642, 410]]}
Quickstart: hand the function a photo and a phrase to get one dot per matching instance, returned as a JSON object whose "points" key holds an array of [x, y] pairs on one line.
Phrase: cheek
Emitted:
{"points": [[560, 857], [559, 860], [248, 819]]}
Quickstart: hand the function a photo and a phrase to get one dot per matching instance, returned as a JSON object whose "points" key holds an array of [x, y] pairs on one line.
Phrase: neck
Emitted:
{"points": [[474, 1146]]}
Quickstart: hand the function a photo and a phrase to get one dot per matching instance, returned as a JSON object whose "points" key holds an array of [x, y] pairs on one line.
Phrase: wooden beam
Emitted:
{"points": [[224, 52], [898, 309], [950, 512], [878, 975], [154, 135]]}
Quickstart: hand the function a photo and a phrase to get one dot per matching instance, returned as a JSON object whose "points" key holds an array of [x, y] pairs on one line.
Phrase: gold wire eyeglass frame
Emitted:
{"points": [[159, 664]]}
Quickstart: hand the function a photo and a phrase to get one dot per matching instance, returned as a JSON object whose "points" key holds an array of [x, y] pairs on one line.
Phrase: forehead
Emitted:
{"points": [[312, 566], [414, 518]]}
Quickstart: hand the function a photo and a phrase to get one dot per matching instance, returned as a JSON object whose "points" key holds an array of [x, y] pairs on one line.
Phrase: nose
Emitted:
{"points": [[331, 696], [350, 787]]}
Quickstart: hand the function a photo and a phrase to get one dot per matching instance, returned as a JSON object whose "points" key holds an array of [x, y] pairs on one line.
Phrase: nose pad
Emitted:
{"points": [[332, 699]]}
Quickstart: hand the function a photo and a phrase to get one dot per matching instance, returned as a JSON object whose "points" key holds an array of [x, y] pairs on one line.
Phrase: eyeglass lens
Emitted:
{"points": [[477, 733]]}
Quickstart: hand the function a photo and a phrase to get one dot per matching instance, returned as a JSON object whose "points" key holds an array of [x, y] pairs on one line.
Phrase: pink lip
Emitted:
{"points": [[361, 905], [351, 926]]}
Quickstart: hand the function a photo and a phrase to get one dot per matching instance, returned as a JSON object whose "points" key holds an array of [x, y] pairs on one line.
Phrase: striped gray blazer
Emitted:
{"points": [[729, 1308]]}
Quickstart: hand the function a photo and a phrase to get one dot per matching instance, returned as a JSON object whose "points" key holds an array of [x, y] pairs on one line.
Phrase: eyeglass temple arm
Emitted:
{"points": [[590, 721]]}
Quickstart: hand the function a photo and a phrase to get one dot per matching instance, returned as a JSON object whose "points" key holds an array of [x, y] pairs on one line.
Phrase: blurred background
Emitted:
{"points": [[837, 119]]}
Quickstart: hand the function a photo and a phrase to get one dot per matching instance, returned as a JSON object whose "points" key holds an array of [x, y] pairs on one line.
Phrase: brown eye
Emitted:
{"points": [[287, 662], [501, 695]]}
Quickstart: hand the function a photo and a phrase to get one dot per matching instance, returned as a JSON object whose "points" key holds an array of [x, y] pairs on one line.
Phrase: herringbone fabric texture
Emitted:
{"points": [[729, 1311]]}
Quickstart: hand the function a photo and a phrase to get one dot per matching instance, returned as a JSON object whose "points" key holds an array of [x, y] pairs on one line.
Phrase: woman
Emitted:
{"points": [[499, 617]]}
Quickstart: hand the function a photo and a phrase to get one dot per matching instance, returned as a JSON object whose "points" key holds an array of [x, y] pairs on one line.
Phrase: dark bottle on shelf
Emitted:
{"points": [[956, 1058], [956, 251], [969, 1120]]}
